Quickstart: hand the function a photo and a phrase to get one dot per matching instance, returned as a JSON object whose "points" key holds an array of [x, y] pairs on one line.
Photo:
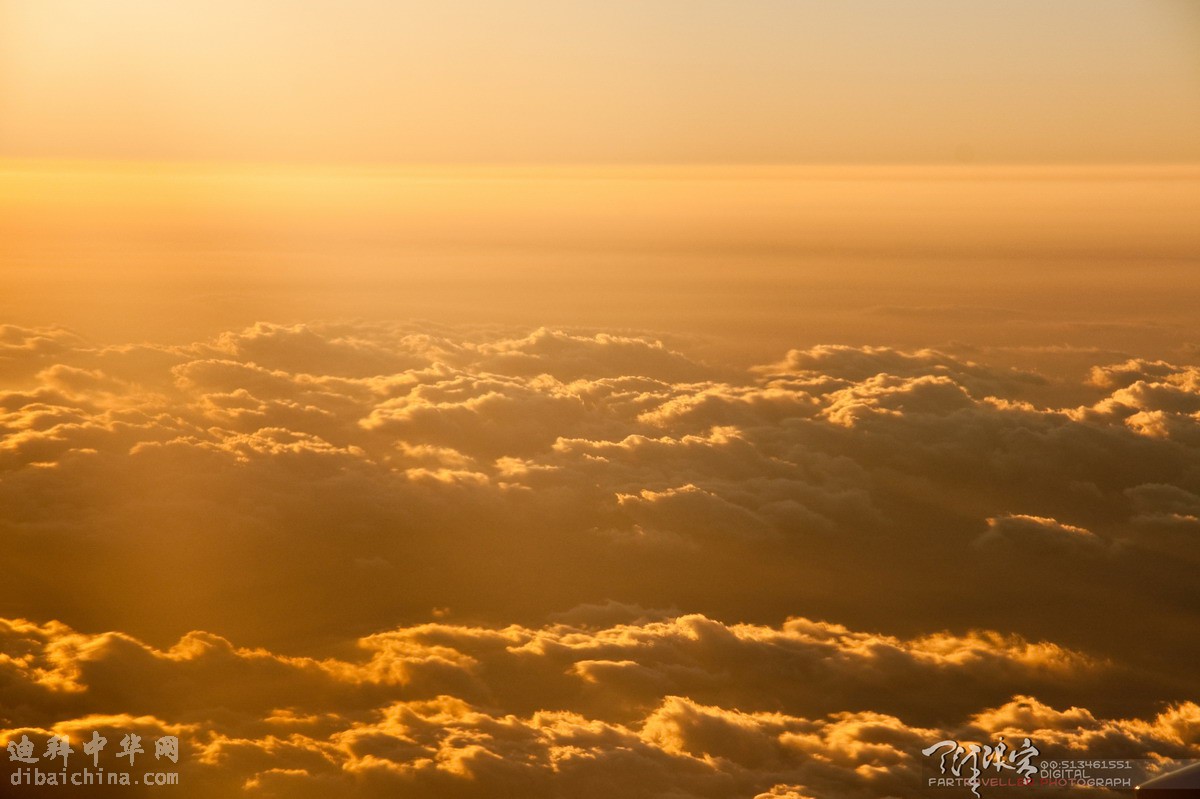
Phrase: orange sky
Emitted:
{"points": [[762, 254], [538, 80]]}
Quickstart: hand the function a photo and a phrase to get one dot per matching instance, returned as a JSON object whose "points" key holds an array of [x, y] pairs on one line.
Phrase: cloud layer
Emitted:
{"points": [[680, 707], [466, 558]]}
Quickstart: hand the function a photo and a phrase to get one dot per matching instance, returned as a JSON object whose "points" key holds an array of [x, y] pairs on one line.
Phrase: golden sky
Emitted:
{"points": [[627, 80], [671, 399]]}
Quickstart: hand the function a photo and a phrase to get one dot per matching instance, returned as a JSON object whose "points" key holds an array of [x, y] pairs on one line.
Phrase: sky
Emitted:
{"points": [[661, 399], [691, 81]]}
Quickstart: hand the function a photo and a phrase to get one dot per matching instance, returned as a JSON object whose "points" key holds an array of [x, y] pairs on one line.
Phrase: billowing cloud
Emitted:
{"points": [[685, 706], [1035, 533], [562, 560]]}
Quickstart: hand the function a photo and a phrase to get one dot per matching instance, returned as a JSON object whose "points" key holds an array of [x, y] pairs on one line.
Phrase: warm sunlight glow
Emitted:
{"points": [[614, 399]]}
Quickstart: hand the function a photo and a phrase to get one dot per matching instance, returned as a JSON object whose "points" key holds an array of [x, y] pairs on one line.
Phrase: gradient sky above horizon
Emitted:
{"points": [[622, 81], [210, 165]]}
